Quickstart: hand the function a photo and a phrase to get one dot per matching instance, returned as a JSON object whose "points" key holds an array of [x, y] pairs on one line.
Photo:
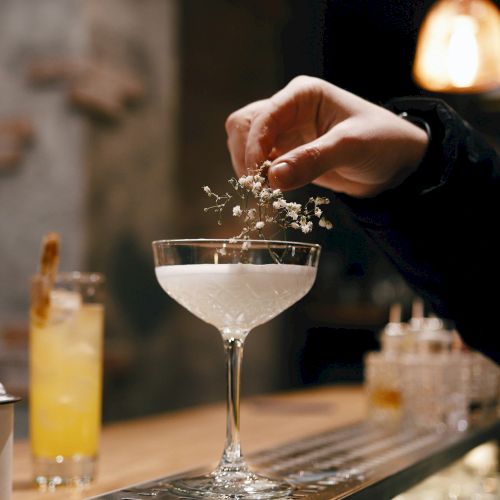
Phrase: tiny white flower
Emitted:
{"points": [[307, 227], [325, 223], [265, 194], [293, 207], [222, 250], [273, 208], [246, 181], [246, 245], [251, 214], [321, 200]]}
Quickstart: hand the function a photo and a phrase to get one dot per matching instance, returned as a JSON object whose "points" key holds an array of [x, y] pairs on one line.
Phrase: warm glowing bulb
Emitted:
{"points": [[462, 59], [458, 48]]}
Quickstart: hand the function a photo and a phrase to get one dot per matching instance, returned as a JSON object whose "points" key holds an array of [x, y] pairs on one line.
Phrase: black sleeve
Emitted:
{"points": [[439, 227]]}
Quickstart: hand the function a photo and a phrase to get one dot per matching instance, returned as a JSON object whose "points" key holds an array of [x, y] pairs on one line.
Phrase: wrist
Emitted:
{"points": [[410, 149], [419, 122]]}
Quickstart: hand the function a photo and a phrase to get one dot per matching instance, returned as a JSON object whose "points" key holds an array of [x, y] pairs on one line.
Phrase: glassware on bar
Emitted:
{"points": [[383, 388], [435, 392], [383, 371], [483, 384], [432, 337], [434, 384], [66, 378], [234, 286], [396, 338], [416, 379]]}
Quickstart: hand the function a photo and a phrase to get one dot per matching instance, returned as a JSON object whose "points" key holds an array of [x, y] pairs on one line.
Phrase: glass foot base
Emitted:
{"points": [[49, 473], [229, 485]]}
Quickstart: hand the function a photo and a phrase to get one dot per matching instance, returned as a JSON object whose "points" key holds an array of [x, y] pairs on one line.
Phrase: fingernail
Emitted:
{"points": [[281, 166], [280, 169], [279, 172]]}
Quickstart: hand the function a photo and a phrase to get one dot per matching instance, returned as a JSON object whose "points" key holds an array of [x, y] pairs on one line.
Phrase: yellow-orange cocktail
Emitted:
{"points": [[66, 380]]}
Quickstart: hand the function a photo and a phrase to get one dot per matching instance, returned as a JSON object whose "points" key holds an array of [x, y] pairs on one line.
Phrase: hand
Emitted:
{"points": [[313, 131]]}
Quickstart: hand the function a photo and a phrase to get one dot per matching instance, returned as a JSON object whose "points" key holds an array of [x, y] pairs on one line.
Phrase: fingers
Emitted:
{"points": [[255, 130], [276, 117], [252, 132], [294, 107], [237, 128], [306, 163], [253, 136], [361, 156]]}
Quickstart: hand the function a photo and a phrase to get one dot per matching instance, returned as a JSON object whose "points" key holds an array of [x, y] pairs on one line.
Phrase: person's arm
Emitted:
{"points": [[432, 206], [439, 226]]}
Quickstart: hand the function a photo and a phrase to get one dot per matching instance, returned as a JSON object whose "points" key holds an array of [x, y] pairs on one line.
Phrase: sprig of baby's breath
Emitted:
{"points": [[261, 208]]}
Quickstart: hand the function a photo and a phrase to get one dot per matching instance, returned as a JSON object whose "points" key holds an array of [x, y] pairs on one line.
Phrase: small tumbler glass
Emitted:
{"points": [[483, 377], [66, 345], [435, 392], [383, 387]]}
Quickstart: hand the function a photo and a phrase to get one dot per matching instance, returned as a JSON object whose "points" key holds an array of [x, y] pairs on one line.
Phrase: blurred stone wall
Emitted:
{"points": [[46, 190], [104, 183], [111, 186], [132, 198]]}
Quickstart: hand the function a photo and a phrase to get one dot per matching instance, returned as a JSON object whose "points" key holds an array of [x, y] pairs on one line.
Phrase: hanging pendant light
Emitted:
{"points": [[458, 48]]}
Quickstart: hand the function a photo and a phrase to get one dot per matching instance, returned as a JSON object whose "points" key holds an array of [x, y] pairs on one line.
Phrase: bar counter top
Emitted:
{"points": [[151, 447]]}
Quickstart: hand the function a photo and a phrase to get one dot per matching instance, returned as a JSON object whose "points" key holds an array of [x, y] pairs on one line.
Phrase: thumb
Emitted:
{"points": [[305, 163], [295, 105]]}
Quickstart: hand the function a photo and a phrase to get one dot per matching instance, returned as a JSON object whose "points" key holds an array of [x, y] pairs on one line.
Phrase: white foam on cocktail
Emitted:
{"points": [[236, 296]]}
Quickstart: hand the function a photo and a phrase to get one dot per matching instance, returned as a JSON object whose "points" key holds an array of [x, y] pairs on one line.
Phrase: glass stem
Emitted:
{"points": [[232, 458]]}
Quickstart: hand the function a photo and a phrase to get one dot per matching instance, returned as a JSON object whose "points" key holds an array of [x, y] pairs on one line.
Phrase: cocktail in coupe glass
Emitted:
{"points": [[234, 286]]}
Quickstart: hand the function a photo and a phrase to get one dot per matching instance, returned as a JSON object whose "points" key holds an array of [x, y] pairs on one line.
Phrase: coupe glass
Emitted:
{"points": [[234, 286]]}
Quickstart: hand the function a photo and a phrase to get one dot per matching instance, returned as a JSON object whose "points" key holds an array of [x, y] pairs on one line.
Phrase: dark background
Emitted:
{"points": [[366, 47]]}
